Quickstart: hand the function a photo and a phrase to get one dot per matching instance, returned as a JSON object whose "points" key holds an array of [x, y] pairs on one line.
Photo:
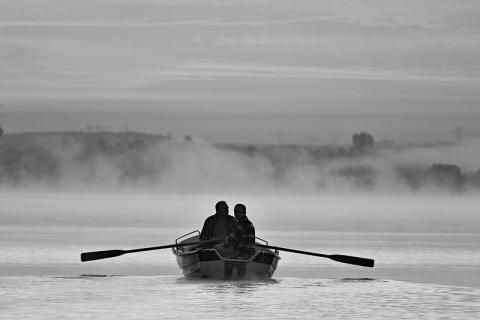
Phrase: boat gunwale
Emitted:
{"points": [[182, 253]]}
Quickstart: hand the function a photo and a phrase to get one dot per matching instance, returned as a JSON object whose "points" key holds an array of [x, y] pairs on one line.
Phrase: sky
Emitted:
{"points": [[253, 71]]}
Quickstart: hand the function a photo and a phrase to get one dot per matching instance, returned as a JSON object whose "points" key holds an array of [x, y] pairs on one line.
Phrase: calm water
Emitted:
{"points": [[140, 297], [426, 253]]}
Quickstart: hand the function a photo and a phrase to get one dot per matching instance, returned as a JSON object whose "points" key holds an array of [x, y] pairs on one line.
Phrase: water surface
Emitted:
{"points": [[425, 249]]}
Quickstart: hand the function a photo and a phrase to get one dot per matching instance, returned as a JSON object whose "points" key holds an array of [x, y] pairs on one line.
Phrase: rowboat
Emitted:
{"points": [[199, 261]]}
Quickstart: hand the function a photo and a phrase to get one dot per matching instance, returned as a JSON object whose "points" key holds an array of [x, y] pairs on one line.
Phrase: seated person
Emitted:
{"points": [[241, 242], [218, 226]]}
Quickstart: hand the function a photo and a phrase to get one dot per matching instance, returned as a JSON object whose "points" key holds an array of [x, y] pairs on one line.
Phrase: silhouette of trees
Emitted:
{"points": [[385, 144], [138, 145], [102, 145], [363, 177], [88, 157], [362, 142], [30, 161], [45, 157], [443, 176], [446, 175], [413, 176]]}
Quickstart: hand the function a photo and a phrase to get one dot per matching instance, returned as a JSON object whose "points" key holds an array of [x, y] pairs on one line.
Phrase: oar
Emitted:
{"points": [[363, 262], [96, 255]]}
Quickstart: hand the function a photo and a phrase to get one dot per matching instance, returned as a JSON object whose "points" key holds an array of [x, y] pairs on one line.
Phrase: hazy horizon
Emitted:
{"points": [[103, 162], [272, 93], [243, 72]]}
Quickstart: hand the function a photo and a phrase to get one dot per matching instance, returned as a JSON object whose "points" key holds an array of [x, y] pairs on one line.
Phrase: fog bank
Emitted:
{"points": [[86, 161]]}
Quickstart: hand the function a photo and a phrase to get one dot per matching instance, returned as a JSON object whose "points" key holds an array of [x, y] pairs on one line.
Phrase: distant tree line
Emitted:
{"points": [[138, 157], [44, 157]]}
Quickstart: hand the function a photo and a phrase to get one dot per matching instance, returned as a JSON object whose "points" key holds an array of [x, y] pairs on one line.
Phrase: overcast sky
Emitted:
{"points": [[243, 71]]}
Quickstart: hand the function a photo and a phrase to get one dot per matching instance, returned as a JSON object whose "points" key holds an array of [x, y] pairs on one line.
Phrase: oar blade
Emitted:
{"points": [[363, 262], [97, 255]]}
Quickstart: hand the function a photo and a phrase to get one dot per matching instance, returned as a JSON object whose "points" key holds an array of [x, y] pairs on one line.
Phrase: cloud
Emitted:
{"points": [[158, 49], [271, 41], [204, 13], [399, 74]]}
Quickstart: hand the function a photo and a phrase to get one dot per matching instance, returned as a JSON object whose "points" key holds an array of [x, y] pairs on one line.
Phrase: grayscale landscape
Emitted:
{"points": [[346, 127]]}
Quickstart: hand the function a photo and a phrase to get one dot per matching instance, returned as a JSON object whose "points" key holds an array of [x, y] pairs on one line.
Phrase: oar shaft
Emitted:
{"points": [[97, 255], [363, 262], [293, 250], [167, 246]]}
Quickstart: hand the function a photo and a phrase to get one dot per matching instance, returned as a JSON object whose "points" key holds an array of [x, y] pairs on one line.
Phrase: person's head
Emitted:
{"points": [[221, 208], [240, 211]]}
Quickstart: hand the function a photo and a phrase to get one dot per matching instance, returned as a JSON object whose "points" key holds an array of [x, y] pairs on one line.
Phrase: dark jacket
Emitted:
{"points": [[208, 229], [242, 239]]}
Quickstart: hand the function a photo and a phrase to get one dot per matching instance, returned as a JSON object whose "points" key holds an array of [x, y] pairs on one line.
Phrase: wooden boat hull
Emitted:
{"points": [[201, 262]]}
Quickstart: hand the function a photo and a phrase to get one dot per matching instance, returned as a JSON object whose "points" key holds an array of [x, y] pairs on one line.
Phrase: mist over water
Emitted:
{"points": [[111, 162], [406, 71], [68, 195]]}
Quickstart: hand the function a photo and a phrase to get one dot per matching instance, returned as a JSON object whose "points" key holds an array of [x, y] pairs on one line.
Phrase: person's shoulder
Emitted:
{"points": [[231, 218], [210, 218]]}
